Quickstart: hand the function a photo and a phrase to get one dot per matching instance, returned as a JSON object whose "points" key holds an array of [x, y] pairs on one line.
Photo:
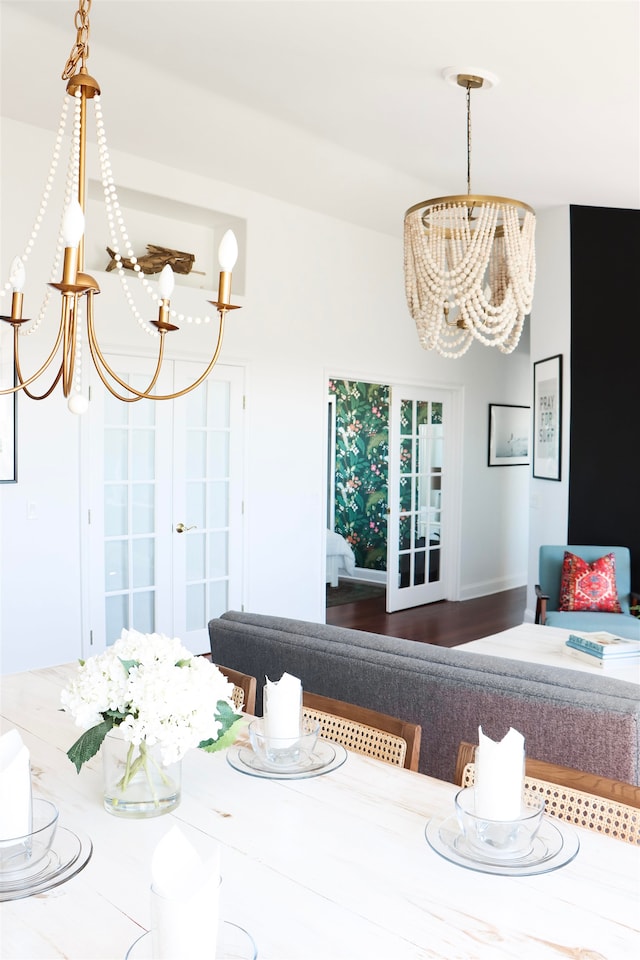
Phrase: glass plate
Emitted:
{"points": [[325, 758], [234, 943], [553, 847], [69, 854]]}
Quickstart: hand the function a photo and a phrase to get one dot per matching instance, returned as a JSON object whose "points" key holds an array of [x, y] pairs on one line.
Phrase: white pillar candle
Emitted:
{"points": [[15, 787], [499, 776], [282, 707], [184, 900]]}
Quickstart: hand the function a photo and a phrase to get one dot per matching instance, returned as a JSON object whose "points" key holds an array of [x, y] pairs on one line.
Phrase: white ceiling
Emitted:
{"points": [[339, 105]]}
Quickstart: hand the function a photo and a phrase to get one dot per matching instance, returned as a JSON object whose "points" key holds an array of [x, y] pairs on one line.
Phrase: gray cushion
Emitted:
{"points": [[617, 623]]}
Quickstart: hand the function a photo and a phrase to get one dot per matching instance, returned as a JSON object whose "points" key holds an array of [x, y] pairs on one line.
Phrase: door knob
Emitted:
{"points": [[180, 528]]}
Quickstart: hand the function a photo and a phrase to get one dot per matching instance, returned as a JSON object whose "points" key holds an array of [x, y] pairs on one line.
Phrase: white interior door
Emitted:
{"points": [[207, 502], [417, 529], [164, 531]]}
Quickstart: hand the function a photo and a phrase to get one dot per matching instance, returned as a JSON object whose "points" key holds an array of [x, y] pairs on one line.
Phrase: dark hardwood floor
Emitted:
{"points": [[446, 623]]}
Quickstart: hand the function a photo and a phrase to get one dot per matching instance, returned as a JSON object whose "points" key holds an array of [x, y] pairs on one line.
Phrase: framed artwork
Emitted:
{"points": [[547, 418], [509, 435], [8, 473]]}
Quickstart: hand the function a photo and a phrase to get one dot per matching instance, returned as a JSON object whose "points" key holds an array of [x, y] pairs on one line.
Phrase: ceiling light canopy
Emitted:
{"points": [[469, 260], [77, 288]]}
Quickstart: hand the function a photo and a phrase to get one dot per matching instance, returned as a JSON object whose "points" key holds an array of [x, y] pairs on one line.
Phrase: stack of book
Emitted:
{"points": [[603, 650]]}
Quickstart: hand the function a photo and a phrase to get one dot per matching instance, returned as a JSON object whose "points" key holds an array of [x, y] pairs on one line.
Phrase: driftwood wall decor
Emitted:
{"points": [[155, 259]]}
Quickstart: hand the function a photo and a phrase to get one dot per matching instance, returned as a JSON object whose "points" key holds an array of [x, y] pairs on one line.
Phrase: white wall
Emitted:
{"points": [[321, 295], [495, 520], [551, 335]]}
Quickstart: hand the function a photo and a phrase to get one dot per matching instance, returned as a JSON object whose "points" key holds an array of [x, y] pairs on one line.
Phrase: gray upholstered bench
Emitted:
{"points": [[567, 717]]}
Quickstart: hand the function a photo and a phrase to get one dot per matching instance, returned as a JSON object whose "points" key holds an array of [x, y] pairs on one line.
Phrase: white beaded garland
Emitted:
{"points": [[33, 233], [114, 212]]}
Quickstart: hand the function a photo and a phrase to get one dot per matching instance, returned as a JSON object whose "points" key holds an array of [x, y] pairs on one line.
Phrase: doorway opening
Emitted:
{"points": [[392, 493]]}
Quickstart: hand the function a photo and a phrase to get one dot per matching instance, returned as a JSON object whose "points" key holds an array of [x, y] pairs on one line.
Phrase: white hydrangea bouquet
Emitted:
{"points": [[157, 692]]}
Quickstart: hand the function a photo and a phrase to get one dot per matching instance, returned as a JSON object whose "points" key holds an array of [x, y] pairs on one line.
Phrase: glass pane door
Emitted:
{"points": [[130, 505], [416, 475], [164, 538], [207, 520]]}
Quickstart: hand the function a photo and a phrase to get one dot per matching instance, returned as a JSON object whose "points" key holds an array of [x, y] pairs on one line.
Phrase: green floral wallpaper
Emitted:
{"points": [[361, 468]]}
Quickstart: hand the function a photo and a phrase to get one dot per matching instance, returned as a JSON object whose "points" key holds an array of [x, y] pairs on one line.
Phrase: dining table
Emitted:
{"points": [[340, 864]]}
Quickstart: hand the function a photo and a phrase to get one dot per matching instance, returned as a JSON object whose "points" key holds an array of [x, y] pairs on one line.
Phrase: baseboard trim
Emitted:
{"points": [[367, 576], [471, 592], [484, 588]]}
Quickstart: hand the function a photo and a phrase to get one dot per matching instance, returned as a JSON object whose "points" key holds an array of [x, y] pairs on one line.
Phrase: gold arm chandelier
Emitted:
{"points": [[75, 286], [469, 261]]}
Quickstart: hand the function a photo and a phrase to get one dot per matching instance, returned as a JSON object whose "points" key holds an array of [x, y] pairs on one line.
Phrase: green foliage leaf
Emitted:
{"points": [[115, 715], [375, 496], [128, 664], [225, 740], [89, 743], [375, 554], [226, 715], [375, 440], [228, 731]]}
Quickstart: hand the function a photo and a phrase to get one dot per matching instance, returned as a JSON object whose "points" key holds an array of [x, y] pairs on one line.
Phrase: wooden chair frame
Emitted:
{"points": [[245, 683], [584, 799], [360, 729]]}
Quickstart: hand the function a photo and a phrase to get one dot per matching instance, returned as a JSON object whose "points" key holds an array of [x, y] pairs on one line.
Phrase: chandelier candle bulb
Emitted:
{"points": [[227, 256], [17, 278], [73, 224], [17, 275], [499, 776], [72, 231], [228, 252], [166, 282]]}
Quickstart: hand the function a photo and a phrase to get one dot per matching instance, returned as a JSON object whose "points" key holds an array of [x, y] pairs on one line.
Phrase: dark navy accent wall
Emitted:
{"points": [[604, 478]]}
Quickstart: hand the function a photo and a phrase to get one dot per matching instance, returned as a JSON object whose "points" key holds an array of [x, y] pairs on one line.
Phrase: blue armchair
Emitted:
{"points": [[548, 592]]}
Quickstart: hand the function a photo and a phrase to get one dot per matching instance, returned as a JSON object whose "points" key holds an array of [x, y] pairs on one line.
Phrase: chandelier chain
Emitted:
{"points": [[469, 139], [80, 49]]}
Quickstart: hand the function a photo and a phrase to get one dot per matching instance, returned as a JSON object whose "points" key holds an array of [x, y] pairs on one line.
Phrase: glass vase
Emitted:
{"points": [[136, 784]]}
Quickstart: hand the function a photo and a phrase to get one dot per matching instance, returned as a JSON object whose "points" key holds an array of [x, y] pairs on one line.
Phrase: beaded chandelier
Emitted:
{"points": [[469, 262], [76, 286]]}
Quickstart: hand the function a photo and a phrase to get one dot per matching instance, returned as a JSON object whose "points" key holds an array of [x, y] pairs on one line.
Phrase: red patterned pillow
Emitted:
{"points": [[589, 586]]}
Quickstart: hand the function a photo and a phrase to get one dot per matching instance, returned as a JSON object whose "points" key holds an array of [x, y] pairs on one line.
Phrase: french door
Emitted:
{"points": [[418, 481], [164, 522]]}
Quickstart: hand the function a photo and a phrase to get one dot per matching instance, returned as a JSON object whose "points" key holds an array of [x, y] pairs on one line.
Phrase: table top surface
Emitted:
{"points": [[331, 867], [537, 644]]}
